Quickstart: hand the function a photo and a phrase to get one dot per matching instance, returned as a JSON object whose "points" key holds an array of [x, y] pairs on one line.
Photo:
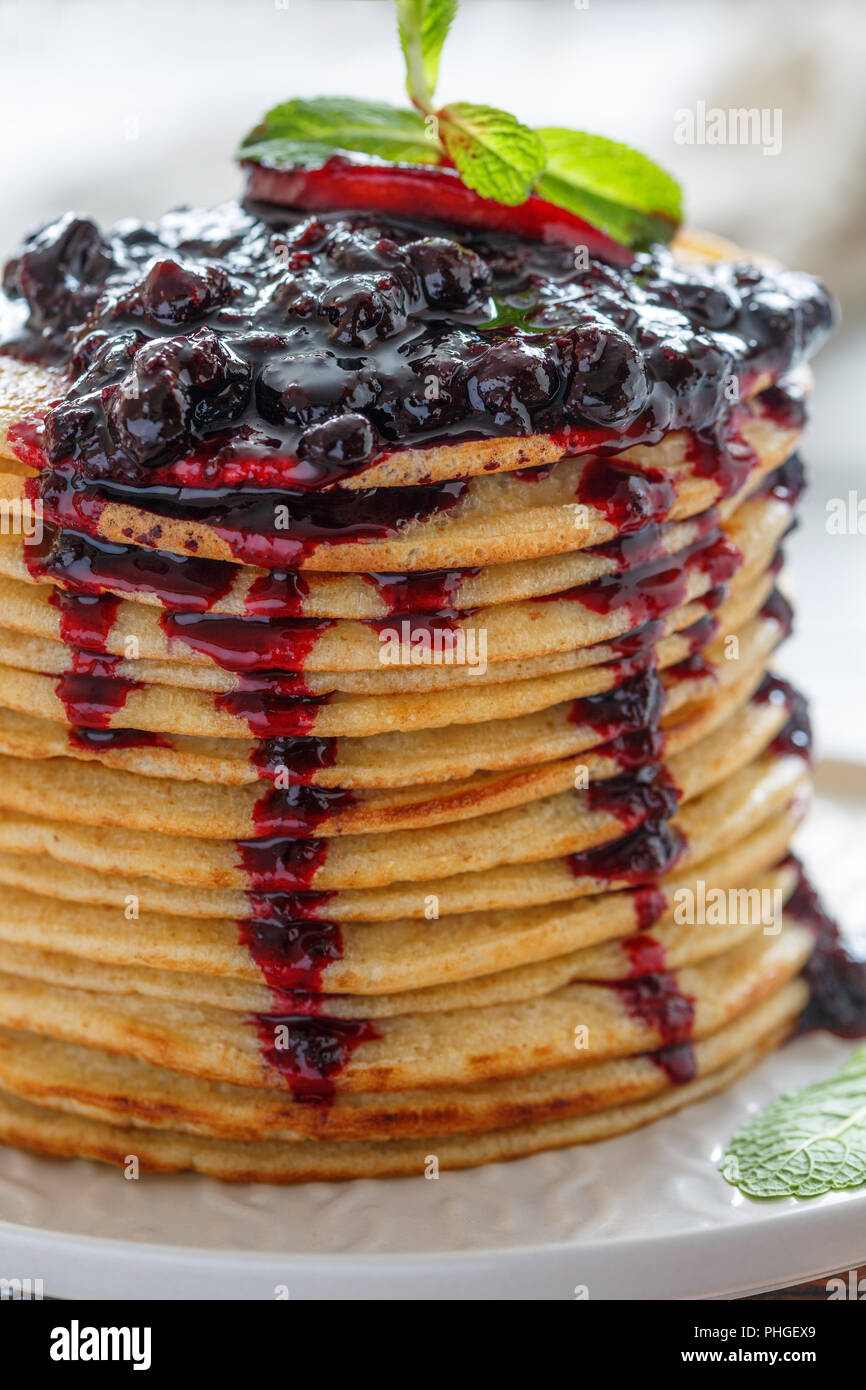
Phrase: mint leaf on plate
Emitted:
{"points": [[321, 125], [610, 185], [423, 26], [495, 155], [807, 1142]]}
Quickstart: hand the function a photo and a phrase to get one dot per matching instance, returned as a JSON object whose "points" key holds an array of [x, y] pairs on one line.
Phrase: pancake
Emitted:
{"points": [[495, 519], [489, 872], [707, 825], [354, 768], [124, 1091], [31, 1127], [211, 964], [405, 759], [98, 796], [419, 1051], [75, 564], [512, 631], [742, 597], [367, 956], [168, 709]]}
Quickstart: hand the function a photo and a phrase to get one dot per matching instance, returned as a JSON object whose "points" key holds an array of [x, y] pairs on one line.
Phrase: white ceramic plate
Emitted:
{"points": [[643, 1216]]}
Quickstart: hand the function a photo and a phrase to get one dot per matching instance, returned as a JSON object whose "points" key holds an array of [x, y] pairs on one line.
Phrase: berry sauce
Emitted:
{"points": [[276, 864], [91, 691], [650, 591], [84, 564], [309, 1053], [236, 366], [835, 975], [657, 1000], [641, 857], [260, 347], [292, 955], [246, 644], [633, 705], [294, 759], [795, 738], [299, 810]]}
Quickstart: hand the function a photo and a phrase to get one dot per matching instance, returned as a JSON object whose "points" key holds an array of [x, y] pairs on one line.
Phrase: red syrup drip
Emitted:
{"points": [[85, 565], [270, 714], [694, 667], [634, 750], [298, 811], [298, 759], [427, 591], [91, 692], [288, 907], [627, 497], [646, 955], [786, 483], [659, 1002], [651, 591], [246, 644], [635, 797], [779, 609], [649, 904], [641, 639], [105, 740], [795, 738], [634, 705], [835, 976], [248, 521], [641, 857], [309, 1053], [722, 455], [278, 594], [277, 864], [292, 955]]}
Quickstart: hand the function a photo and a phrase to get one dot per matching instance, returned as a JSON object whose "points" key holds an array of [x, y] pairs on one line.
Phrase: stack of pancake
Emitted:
{"points": [[345, 856]]}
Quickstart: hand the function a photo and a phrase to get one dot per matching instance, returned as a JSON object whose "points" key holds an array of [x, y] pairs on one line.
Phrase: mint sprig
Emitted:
{"points": [[807, 1142], [610, 185], [325, 124], [494, 154], [607, 184], [423, 27]]}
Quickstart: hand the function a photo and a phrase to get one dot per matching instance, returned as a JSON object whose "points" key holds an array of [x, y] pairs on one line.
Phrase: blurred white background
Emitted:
{"points": [[125, 107]]}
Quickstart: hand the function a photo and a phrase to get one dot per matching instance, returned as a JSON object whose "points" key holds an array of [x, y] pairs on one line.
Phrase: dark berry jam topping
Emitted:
{"points": [[293, 759], [640, 857], [292, 955], [262, 347], [657, 1000], [311, 1052], [796, 735], [259, 527], [636, 704], [634, 797], [835, 975]]}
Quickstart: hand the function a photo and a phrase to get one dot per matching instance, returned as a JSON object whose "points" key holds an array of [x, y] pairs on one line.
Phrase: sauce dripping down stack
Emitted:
{"points": [[390, 759]]}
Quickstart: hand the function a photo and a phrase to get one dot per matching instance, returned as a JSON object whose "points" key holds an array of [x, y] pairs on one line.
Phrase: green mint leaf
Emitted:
{"points": [[342, 123], [423, 27], [807, 1142], [495, 155], [610, 185]]}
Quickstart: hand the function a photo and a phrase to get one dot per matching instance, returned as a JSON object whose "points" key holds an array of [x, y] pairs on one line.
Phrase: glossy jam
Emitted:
{"points": [[310, 1053], [795, 738], [263, 348], [657, 1000], [835, 974]]}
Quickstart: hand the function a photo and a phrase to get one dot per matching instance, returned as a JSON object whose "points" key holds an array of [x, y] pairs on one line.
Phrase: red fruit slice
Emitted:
{"points": [[416, 191]]}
